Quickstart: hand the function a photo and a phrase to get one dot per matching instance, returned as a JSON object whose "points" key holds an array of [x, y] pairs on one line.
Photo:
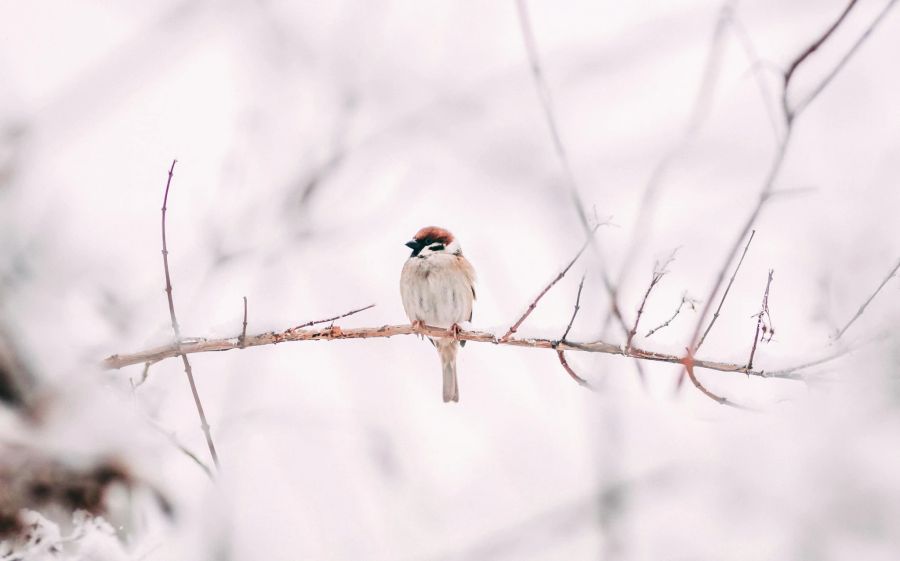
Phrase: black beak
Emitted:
{"points": [[413, 245]]}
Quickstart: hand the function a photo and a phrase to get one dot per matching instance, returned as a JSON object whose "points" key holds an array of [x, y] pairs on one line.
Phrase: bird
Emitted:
{"points": [[437, 287]]}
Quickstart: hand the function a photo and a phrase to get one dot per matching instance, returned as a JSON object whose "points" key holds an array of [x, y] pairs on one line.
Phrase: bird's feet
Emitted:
{"points": [[454, 330]]}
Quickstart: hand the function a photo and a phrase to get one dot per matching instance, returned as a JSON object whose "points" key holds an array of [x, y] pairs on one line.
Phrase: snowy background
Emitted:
{"points": [[314, 139]]}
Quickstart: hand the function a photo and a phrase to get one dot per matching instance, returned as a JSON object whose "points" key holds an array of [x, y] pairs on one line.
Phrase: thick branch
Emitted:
{"points": [[336, 333]]}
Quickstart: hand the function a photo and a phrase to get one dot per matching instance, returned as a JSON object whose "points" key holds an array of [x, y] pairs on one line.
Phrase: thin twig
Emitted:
{"points": [[763, 312], [549, 114], [768, 98], [841, 63], [689, 364], [561, 354], [575, 311], [244, 328], [181, 447], [725, 294], [546, 101], [144, 375], [187, 365], [565, 364], [813, 47], [702, 105], [684, 300], [865, 304], [659, 271], [334, 333], [547, 288], [768, 184], [335, 318]]}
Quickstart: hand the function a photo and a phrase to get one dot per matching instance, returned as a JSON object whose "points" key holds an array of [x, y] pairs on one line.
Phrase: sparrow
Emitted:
{"points": [[437, 289]]}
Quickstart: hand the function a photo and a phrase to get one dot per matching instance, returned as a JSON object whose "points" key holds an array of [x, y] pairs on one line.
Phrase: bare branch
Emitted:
{"points": [[789, 73], [575, 311], [865, 304], [562, 355], [565, 364], [547, 288], [187, 365], [827, 358], [689, 364], [699, 111], [181, 447], [760, 319], [841, 63], [684, 300], [335, 318], [749, 48], [725, 294], [546, 100], [334, 332], [659, 271]]}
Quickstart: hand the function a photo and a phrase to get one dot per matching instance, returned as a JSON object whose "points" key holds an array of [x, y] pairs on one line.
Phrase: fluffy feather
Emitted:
{"points": [[437, 288]]}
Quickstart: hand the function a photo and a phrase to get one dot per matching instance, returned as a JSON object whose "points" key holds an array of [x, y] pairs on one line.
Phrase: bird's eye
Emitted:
{"points": [[436, 247]]}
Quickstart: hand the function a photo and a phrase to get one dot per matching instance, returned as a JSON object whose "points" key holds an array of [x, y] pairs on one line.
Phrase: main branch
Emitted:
{"points": [[334, 333]]}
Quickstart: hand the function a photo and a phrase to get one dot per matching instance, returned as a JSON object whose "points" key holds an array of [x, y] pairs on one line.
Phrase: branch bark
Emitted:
{"points": [[334, 333]]}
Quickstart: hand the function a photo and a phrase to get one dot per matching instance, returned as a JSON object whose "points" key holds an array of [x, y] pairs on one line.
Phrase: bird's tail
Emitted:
{"points": [[447, 349]]}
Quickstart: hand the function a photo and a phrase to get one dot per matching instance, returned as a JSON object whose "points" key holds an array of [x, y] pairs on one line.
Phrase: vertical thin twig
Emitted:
{"points": [[575, 311], [865, 304], [561, 354], [725, 294], [187, 365], [763, 312], [243, 336]]}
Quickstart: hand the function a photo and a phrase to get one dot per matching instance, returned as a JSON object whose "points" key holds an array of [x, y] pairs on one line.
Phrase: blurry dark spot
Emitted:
{"points": [[40, 491]]}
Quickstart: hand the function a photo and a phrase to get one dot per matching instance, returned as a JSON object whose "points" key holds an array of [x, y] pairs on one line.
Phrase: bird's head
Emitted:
{"points": [[432, 240]]}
